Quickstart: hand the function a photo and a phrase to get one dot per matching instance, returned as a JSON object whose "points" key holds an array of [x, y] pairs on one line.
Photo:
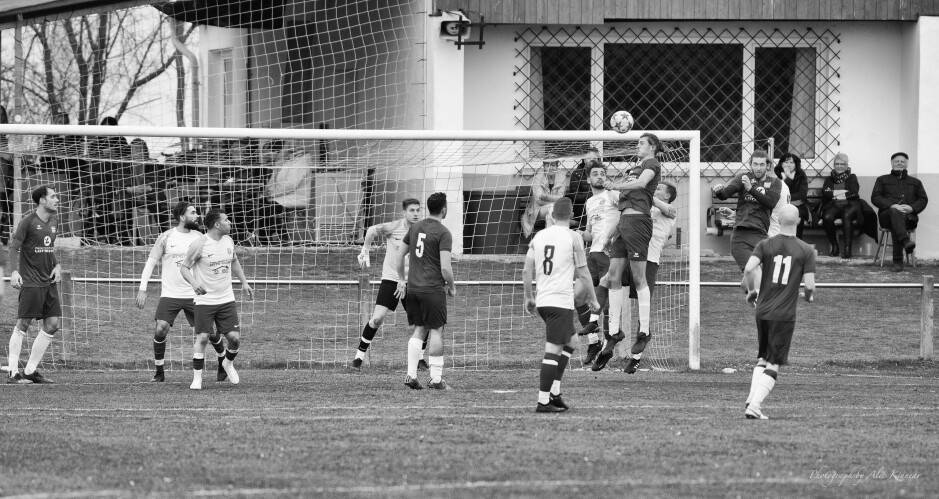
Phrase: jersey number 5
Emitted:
{"points": [[786, 264], [419, 247], [548, 264]]}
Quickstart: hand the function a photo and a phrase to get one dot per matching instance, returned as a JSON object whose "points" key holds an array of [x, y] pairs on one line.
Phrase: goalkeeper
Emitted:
{"points": [[394, 233]]}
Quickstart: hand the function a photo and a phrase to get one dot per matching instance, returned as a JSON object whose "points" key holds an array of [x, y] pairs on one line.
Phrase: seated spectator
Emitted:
{"points": [[547, 186], [789, 170], [841, 200], [145, 189], [109, 170], [289, 187], [899, 198]]}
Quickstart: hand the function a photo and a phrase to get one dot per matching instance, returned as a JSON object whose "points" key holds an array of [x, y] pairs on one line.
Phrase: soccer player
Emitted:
{"points": [[635, 232], [784, 198], [394, 233], [786, 261], [176, 294], [555, 255], [427, 245], [208, 267], [757, 194], [32, 249]]}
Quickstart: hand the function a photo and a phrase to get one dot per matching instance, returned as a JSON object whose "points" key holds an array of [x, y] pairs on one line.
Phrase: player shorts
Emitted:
{"points": [[598, 263], [428, 310], [652, 269], [224, 317], [39, 303], [635, 232], [773, 339], [558, 323], [169, 308], [386, 295], [742, 243]]}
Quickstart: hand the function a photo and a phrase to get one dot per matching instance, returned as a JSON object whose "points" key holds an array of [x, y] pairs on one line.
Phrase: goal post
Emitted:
{"points": [[323, 191]]}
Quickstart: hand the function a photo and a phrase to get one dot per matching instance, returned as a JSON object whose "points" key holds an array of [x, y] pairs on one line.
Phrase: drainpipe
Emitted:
{"points": [[194, 62]]}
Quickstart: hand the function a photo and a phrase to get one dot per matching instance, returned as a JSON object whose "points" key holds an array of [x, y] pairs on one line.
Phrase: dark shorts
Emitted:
{"points": [[598, 263], [428, 310], [742, 243], [169, 308], [386, 295], [635, 232], [39, 303], [224, 317], [558, 323], [774, 338], [652, 269]]}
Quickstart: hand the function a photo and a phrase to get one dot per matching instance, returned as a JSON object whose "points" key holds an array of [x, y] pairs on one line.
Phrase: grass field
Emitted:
{"points": [[329, 434]]}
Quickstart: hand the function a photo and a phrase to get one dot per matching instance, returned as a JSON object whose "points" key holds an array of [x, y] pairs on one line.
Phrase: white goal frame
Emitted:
{"points": [[693, 168]]}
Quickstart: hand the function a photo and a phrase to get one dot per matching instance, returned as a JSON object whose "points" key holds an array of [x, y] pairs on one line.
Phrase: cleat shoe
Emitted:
{"points": [[18, 379], [37, 378], [557, 401], [356, 365], [548, 408], [752, 413], [607, 353], [413, 383], [196, 382], [641, 341], [422, 365], [229, 367], [592, 350], [440, 385], [601, 361], [221, 375], [158, 378], [591, 327], [631, 366]]}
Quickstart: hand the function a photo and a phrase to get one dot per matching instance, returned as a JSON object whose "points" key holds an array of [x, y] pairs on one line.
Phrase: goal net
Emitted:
{"points": [[301, 202]]}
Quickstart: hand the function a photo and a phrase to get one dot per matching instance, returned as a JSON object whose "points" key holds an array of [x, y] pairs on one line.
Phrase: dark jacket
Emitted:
{"points": [[798, 186], [866, 221], [891, 189]]}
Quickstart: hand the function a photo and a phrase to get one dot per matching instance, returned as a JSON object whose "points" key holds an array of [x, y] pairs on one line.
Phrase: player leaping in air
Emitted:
{"points": [[394, 233], [208, 267], [786, 261]]}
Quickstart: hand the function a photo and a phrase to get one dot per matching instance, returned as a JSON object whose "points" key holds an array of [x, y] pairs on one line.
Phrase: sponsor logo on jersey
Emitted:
{"points": [[47, 240]]}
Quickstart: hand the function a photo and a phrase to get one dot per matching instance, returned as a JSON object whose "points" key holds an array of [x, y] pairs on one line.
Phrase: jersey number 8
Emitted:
{"points": [[548, 263]]}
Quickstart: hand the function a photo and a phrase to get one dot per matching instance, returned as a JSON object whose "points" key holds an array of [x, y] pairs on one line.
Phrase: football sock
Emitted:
{"points": [[562, 365], [414, 356], [593, 338], [645, 306], [593, 318], [368, 334], [159, 351], [757, 373], [583, 314], [218, 346], [16, 346], [616, 310], [436, 368], [231, 354], [549, 368], [198, 362], [40, 344], [764, 385], [603, 296]]}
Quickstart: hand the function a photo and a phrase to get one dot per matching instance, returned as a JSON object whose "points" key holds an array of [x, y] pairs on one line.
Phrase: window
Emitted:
{"points": [[222, 108], [561, 93], [785, 99]]}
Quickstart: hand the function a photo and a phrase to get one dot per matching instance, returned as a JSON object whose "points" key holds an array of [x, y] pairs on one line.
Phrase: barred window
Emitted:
{"points": [[785, 99]]}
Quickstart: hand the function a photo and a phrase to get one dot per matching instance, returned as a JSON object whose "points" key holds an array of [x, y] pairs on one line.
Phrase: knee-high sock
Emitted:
{"points": [[562, 365], [583, 314], [159, 351], [757, 373], [645, 307], [549, 369], [616, 310], [764, 385], [436, 368], [198, 363], [40, 344], [16, 346], [414, 356], [368, 333]]}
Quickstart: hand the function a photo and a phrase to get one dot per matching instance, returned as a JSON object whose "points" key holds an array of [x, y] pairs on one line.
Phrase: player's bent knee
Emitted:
{"points": [[553, 348], [50, 325], [162, 329]]}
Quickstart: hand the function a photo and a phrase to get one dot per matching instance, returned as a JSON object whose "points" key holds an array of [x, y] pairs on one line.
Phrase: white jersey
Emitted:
{"points": [[774, 216], [557, 252], [661, 229], [602, 217], [170, 250], [211, 262], [394, 233]]}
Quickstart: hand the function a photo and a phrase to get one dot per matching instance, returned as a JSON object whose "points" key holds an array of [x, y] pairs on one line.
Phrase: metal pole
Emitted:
{"points": [[694, 254], [925, 323], [68, 311], [19, 77]]}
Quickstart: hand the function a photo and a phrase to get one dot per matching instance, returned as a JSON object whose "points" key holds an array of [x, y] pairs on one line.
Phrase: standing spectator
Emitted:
{"points": [[840, 199], [62, 156], [108, 173], [789, 170], [899, 198], [547, 186], [145, 189]]}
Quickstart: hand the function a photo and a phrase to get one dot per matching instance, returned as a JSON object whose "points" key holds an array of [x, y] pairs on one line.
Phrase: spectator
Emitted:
{"points": [[288, 188], [62, 155], [899, 199], [109, 170], [579, 189], [789, 170], [145, 189], [840, 199], [547, 186]]}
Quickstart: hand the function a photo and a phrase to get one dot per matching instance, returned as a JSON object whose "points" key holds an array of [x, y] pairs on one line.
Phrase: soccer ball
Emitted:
{"points": [[621, 121]]}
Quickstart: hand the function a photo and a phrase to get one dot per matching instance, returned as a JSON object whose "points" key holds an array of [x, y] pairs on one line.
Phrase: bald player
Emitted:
{"points": [[786, 262]]}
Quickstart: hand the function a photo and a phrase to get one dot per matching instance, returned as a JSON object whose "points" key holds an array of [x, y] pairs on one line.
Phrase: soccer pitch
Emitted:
{"points": [[329, 434]]}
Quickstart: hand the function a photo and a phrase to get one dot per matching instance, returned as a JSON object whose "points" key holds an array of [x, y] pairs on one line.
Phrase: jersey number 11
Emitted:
{"points": [[786, 264]]}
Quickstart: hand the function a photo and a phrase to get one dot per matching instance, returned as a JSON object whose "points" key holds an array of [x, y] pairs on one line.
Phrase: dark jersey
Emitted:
{"points": [[425, 240], [641, 199], [755, 207], [785, 259], [36, 241]]}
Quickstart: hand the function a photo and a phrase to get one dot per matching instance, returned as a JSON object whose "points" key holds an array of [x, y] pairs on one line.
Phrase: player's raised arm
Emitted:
{"points": [[156, 253], [644, 178], [240, 274], [667, 209], [527, 280], [192, 256], [370, 234], [725, 191], [770, 197]]}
